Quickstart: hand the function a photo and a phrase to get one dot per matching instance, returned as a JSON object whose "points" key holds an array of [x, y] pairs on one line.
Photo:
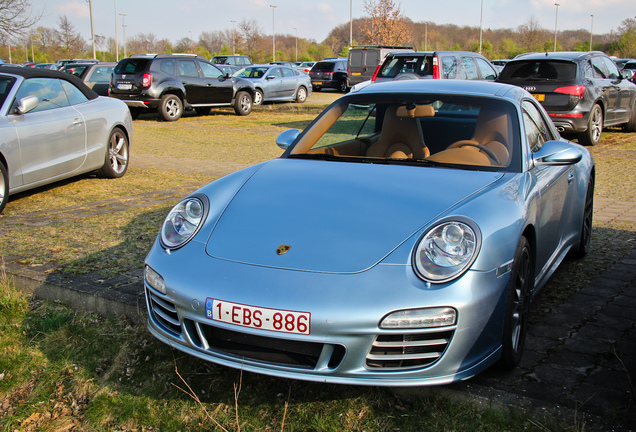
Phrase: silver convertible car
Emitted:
{"points": [[53, 127], [399, 240]]}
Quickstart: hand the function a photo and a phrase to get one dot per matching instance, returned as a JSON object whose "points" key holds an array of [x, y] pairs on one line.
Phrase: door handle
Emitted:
{"points": [[77, 121], [570, 177]]}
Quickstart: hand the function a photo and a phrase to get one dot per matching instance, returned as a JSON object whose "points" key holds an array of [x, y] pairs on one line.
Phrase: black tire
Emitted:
{"points": [[301, 94], [4, 186], [258, 97], [117, 156], [170, 107], [630, 126], [585, 240], [243, 103], [203, 110], [342, 86], [517, 307], [592, 135]]}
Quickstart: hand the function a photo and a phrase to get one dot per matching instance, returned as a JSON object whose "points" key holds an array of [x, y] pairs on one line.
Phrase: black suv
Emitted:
{"points": [[170, 83], [435, 65], [329, 73], [582, 91]]}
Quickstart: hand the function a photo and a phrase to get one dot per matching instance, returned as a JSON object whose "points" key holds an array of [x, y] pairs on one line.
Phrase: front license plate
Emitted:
{"points": [[258, 317], [124, 86], [539, 97], [318, 82]]}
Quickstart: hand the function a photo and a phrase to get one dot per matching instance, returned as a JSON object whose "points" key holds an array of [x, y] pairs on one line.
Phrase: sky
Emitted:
{"points": [[314, 19]]}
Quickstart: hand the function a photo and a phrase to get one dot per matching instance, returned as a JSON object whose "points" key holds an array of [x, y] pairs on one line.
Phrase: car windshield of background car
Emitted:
{"points": [[440, 129]]}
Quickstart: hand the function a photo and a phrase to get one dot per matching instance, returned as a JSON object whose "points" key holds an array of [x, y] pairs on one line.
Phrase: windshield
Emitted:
{"points": [[427, 130], [420, 65], [252, 72]]}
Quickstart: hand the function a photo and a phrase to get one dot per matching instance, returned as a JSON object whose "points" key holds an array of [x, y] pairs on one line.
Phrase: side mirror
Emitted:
{"points": [[27, 103], [557, 153], [286, 138]]}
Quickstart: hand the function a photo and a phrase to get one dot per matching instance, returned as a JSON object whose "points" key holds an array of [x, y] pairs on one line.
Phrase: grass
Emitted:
{"points": [[62, 370]]}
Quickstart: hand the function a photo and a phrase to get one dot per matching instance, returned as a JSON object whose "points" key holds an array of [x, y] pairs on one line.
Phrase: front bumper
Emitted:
{"points": [[346, 344]]}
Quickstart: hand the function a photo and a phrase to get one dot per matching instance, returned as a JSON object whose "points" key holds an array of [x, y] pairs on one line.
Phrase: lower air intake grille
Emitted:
{"points": [[264, 349], [408, 351]]}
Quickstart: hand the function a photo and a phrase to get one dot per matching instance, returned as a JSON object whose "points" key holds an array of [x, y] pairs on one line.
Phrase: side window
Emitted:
{"points": [[487, 71], [167, 66], [599, 67], [101, 74], [611, 68], [210, 71], [471, 69], [287, 72], [537, 132], [74, 95], [275, 73], [449, 66], [49, 92], [188, 68]]}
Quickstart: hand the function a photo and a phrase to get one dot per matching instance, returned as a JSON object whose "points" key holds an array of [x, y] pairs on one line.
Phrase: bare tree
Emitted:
{"points": [[532, 36], [16, 16], [387, 25], [212, 41], [70, 41], [252, 34]]}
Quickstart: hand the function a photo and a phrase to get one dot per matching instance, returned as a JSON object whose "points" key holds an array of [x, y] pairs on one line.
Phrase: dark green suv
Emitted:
{"points": [[172, 83]]}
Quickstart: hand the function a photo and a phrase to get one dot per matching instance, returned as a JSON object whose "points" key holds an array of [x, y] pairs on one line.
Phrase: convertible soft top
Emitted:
{"points": [[46, 73]]}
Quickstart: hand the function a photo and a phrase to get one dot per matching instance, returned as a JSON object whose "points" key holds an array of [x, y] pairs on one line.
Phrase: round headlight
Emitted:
{"points": [[182, 222], [446, 251]]}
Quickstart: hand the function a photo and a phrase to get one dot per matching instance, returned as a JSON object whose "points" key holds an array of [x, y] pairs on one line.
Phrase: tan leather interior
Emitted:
{"points": [[491, 131], [401, 136]]}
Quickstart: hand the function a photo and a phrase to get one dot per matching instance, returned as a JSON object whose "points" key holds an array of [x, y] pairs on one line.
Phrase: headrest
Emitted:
{"points": [[416, 112]]}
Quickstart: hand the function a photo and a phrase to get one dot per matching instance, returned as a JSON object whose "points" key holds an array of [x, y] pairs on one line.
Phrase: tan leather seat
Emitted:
{"points": [[401, 136], [490, 137]]}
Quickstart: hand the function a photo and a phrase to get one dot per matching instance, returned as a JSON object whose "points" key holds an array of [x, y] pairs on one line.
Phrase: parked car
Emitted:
{"points": [[95, 75], [51, 66], [54, 127], [228, 69], [329, 74], [284, 63], [170, 83], [363, 61], [305, 67], [64, 62], [629, 65], [235, 60], [435, 65], [276, 83], [583, 92], [369, 252]]}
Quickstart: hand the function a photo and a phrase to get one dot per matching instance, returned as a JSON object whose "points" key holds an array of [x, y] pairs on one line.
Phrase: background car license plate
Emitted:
{"points": [[539, 97], [258, 317], [318, 82], [124, 86]]}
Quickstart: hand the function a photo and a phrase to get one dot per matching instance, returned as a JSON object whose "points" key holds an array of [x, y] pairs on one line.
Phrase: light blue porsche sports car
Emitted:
{"points": [[399, 240]]}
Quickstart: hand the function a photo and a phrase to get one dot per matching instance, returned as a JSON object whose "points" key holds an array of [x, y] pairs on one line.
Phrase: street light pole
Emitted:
{"points": [[90, 10], [350, 23], [123, 26], [591, 31], [296, 44], [556, 20], [426, 36], [116, 35], [233, 50], [273, 33], [481, 25]]}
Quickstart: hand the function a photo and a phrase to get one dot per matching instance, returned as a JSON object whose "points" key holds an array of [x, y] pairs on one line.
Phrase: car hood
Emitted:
{"points": [[335, 217]]}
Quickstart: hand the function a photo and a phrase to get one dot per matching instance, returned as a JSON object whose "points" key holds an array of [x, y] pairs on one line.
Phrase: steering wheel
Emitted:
{"points": [[491, 154]]}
